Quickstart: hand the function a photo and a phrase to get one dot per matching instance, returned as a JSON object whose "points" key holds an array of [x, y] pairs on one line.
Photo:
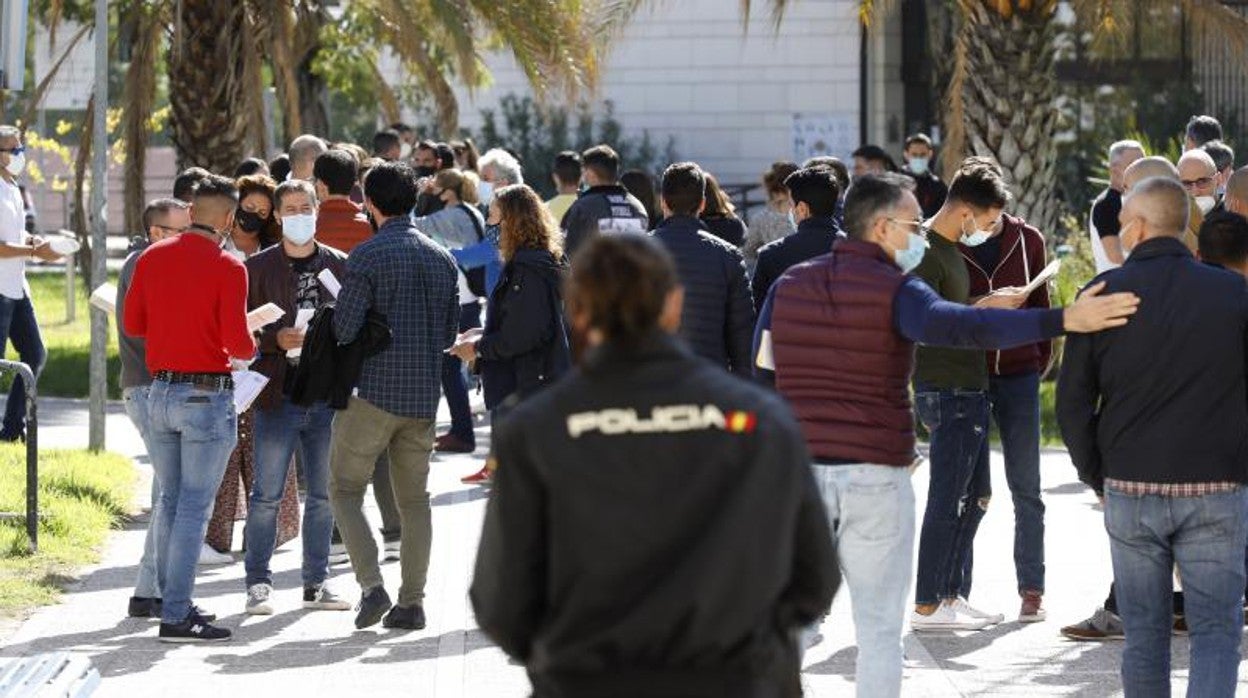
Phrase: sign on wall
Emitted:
{"points": [[824, 134]]}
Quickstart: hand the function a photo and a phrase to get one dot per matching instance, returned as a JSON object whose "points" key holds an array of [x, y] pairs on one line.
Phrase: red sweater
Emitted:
{"points": [[188, 299], [341, 224]]}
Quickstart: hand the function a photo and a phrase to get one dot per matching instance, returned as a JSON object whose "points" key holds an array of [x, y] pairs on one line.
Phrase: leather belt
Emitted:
{"points": [[205, 381]]}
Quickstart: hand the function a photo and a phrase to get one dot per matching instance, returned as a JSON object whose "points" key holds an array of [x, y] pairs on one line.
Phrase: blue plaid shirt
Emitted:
{"points": [[412, 280]]}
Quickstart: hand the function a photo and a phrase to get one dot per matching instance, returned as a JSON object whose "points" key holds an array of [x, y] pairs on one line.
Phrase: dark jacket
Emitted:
{"points": [[271, 279], [671, 551], [525, 342], [730, 229], [930, 192], [604, 208], [329, 371], [814, 236], [1022, 258], [718, 320], [1163, 398]]}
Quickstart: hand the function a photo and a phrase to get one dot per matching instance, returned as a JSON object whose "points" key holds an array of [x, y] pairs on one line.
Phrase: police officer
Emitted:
{"points": [[654, 527]]}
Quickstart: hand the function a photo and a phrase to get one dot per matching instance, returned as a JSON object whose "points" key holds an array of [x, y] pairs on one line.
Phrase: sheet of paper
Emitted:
{"points": [[330, 282], [302, 317], [765, 359], [1043, 277], [104, 297], [262, 316], [247, 387]]}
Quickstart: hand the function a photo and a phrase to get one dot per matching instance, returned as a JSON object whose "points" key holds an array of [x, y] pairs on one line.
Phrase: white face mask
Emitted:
{"points": [[405, 150], [1206, 203], [919, 165], [974, 238], [299, 229], [485, 191], [17, 163]]}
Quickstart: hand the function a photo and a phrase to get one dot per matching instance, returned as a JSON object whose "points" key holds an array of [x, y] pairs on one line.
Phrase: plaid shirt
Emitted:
{"points": [[1170, 489], [412, 281]]}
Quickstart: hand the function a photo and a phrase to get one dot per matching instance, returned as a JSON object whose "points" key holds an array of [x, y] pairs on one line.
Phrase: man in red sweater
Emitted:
{"points": [[188, 300]]}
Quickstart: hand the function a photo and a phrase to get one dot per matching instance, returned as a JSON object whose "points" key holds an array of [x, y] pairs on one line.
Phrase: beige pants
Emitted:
{"points": [[361, 433]]}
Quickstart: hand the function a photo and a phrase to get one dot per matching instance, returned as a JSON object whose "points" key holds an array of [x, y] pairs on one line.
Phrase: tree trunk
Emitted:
{"points": [[140, 99], [1002, 102], [208, 90], [78, 214]]}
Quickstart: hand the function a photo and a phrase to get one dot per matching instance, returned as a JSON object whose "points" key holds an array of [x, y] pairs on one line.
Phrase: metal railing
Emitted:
{"points": [[32, 448]]}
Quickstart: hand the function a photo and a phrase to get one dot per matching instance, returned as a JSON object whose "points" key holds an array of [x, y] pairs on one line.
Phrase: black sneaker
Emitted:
{"points": [[404, 618], [193, 629], [199, 613], [144, 607], [373, 605]]}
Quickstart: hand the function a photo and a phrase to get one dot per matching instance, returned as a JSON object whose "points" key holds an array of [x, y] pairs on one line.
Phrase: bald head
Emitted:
{"points": [[1155, 207], [1237, 192], [1198, 173], [1142, 169]]}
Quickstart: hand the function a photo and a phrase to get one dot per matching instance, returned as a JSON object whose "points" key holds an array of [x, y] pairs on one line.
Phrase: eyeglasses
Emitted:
{"points": [[917, 224], [1193, 183]]}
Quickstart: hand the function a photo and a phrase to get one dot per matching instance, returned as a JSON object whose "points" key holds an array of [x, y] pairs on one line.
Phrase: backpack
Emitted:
{"points": [[475, 277]]}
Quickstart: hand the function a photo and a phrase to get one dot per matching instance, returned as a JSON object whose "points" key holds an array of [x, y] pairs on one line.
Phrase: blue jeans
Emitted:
{"points": [[147, 584], [1015, 402], [959, 492], [455, 384], [191, 434], [17, 320], [1205, 537], [278, 433], [871, 513]]}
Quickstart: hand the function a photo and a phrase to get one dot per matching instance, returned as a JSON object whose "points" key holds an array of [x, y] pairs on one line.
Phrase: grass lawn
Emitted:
{"points": [[81, 497], [68, 343]]}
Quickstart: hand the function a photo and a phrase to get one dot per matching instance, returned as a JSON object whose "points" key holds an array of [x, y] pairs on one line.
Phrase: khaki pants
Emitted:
{"points": [[361, 433]]}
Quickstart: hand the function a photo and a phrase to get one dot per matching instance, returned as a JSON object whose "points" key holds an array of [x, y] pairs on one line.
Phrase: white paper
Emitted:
{"points": [[104, 297], [330, 282], [262, 316], [247, 387], [765, 359], [302, 317], [63, 246], [1043, 277]]}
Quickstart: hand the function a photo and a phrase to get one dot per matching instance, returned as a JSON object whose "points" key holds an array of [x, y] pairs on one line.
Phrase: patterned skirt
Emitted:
{"points": [[235, 491]]}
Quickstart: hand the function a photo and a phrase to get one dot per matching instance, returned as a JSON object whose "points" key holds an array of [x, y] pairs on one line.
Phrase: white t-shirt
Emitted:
{"points": [[12, 230]]}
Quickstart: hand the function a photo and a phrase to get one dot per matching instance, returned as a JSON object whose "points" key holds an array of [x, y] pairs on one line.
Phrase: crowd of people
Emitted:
{"points": [[678, 396]]}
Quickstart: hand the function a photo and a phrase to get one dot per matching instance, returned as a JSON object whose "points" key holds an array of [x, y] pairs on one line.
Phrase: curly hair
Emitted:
{"points": [[262, 184], [524, 221]]}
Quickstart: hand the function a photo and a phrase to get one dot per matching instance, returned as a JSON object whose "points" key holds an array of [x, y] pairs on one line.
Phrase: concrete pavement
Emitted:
{"points": [[320, 653]]}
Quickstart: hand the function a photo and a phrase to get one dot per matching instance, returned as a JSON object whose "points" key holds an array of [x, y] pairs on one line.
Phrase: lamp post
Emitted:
{"points": [[99, 231]]}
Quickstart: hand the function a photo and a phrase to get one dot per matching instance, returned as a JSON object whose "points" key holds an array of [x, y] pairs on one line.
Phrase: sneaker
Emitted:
{"points": [[193, 630], [258, 603], [1031, 611], [1103, 625], [338, 554], [208, 556], [449, 443], [320, 598], [404, 618], [946, 617], [373, 605], [196, 612], [964, 607], [143, 607], [481, 477], [391, 549]]}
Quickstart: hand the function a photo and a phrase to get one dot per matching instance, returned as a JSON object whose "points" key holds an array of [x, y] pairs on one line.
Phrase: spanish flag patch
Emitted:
{"points": [[739, 422]]}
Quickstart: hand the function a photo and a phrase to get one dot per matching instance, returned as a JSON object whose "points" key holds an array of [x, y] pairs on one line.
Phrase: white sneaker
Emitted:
{"points": [[208, 556], [338, 554], [258, 600], [963, 606], [946, 617]]}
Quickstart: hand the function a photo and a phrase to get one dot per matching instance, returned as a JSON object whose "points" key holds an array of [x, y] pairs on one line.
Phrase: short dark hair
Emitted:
{"points": [[603, 161], [567, 167], [391, 186], [279, 167], [1202, 129], [683, 188], [400, 127], [870, 196], [980, 184], [833, 163], [1223, 155], [386, 140], [816, 187], [920, 138], [213, 186], [876, 154], [187, 180], [338, 170], [774, 177], [1223, 239], [160, 207], [446, 156], [251, 166]]}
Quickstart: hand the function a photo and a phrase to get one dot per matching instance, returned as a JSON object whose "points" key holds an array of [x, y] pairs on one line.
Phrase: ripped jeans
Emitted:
{"points": [[959, 493]]}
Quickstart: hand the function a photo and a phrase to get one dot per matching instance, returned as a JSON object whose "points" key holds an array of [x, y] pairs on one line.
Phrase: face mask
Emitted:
{"points": [[1206, 203], [299, 229], [919, 165], [910, 257], [17, 163], [485, 191], [248, 221], [425, 171], [405, 151], [792, 220], [976, 237]]}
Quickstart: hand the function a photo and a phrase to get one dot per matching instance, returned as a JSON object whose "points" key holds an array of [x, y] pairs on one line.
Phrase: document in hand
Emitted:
{"points": [[247, 387], [1043, 277], [766, 359], [104, 297], [262, 316], [302, 317], [330, 282]]}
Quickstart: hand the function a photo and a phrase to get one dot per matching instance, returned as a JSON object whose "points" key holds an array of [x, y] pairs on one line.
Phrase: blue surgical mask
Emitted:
{"points": [[975, 237], [919, 165], [485, 191], [792, 220], [910, 257], [299, 229]]}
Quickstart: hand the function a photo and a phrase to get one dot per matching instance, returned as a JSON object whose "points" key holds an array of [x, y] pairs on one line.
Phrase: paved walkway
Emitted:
{"points": [[301, 653]]}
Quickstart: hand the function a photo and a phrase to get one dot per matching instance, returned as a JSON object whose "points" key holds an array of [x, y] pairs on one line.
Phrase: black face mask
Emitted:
{"points": [[248, 221], [425, 171]]}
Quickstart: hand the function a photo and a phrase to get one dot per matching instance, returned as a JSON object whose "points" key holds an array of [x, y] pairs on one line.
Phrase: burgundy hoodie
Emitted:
{"points": [[1022, 258]]}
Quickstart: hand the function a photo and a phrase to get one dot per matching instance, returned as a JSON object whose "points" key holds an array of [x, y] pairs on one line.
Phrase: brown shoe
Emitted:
{"points": [[1031, 610], [1102, 626], [449, 443]]}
